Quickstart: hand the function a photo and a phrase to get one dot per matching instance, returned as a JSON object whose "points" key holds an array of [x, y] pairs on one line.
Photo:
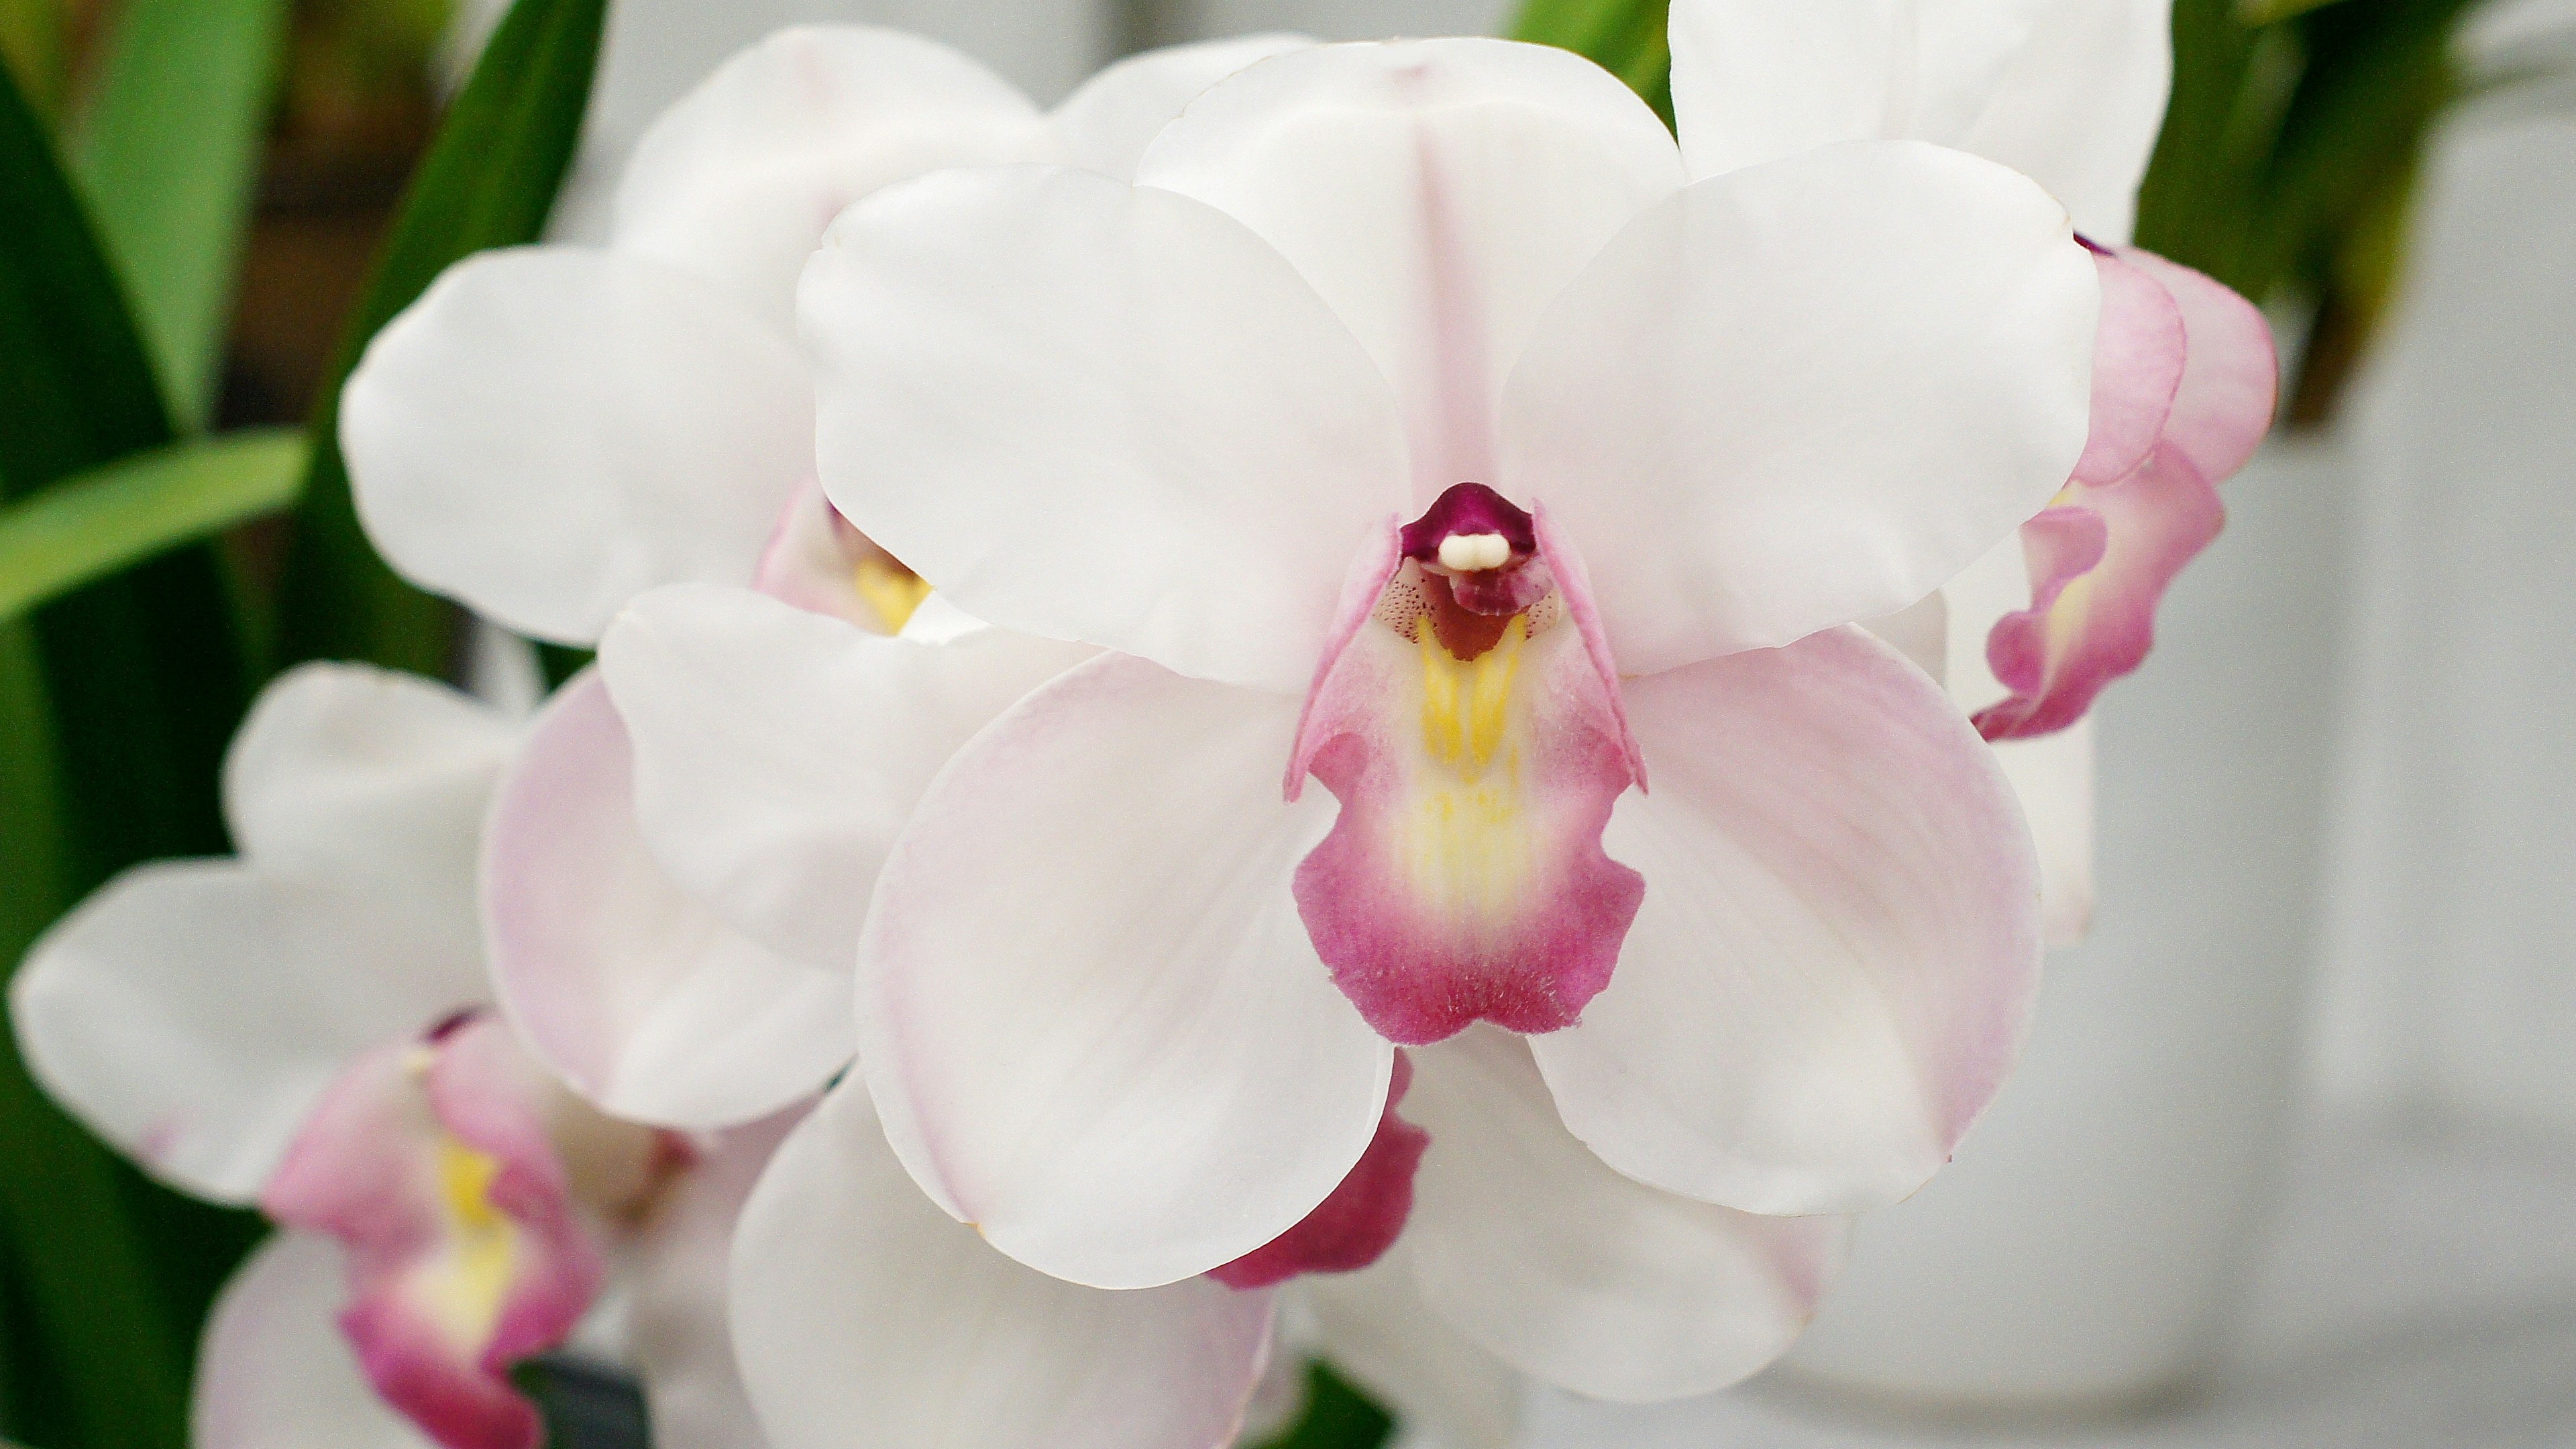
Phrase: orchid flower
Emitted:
{"points": [[1413, 421], [2072, 93], [306, 1027], [550, 430]]}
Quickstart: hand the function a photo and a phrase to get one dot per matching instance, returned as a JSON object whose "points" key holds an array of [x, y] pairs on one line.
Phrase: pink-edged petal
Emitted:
{"points": [[1581, 1277], [636, 994], [430, 1162], [1092, 411], [1088, 1011], [1806, 393], [274, 1371], [1356, 1225], [2099, 565], [1437, 194], [777, 752], [1840, 942], [2231, 378], [549, 430], [191, 1012], [1377, 1331], [2077, 105], [1106, 125], [2053, 777], [375, 782], [864, 1316], [737, 182], [680, 1334], [1464, 878], [2137, 370]]}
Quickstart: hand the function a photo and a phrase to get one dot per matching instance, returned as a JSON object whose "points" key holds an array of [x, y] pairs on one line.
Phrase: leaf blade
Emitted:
{"points": [[168, 154], [84, 528]]}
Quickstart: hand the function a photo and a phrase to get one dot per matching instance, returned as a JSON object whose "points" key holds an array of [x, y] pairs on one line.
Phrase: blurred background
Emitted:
{"points": [[2293, 1158]]}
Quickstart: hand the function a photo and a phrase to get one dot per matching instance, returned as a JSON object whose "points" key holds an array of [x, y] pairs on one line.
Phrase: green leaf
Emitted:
{"points": [[1627, 38], [168, 154], [1337, 1416], [489, 180], [114, 711], [85, 528], [2267, 12]]}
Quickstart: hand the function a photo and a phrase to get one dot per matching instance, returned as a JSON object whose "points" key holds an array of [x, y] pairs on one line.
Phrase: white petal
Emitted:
{"points": [[374, 782], [1576, 1275], [1757, 80], [1806, 393], [737, 182], [1089, 1011], [191, 1012], [2053, 776], [1437, 194], [864, 1316], [274, 1372], [1381, 1335], [621, 982], [682, 1339], [1840, 943], [1106, 125], [1090, 411], [2078, 106], [548, 431], [778, 752]]}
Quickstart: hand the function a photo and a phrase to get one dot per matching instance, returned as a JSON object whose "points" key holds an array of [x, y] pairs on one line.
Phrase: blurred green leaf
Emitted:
{"points": [[115, 703], [31, 45], [1337, 1416], [1624, 37], [489, 180], [168, 155], [2266, 12], [87, 527]]}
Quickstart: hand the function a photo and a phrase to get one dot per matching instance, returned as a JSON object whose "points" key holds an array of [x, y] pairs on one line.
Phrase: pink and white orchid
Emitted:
{"points": [[305, 1027], [2072, 93], [551, 430], [1415, 422]]}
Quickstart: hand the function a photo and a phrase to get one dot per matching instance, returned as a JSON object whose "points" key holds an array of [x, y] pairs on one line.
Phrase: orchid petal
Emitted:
{"points": [[1381, 1334], [1090, 411], [636, 994], [1106, 125], [274, 1373], [1530, 1246], [2231, 378], [1840, 942], [1806, 393], [1437, 194], [778, 753], [683, 1344], [2099, 566], [863, 1315], [432, 1165], [193, 1011], [376, 782], [1355, 1226], [548, 431], [2068, 92], [737, 181], [2079, 105], [2053, 777], [1089, 1013], [2138, 359]]}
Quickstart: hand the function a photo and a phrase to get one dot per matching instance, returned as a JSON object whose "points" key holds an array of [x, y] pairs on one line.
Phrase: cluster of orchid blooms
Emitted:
{"points": [[906, 992]]}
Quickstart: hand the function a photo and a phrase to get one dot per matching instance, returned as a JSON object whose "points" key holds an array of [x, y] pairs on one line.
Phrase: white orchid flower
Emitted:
{"points": [[1413, 418], [307, 1027], [2072, 93]]}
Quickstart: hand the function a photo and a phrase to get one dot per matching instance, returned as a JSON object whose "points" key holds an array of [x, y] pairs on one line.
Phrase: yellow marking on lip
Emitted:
{"points": [[463, 1287], [890, 589], [1463, 839]]}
